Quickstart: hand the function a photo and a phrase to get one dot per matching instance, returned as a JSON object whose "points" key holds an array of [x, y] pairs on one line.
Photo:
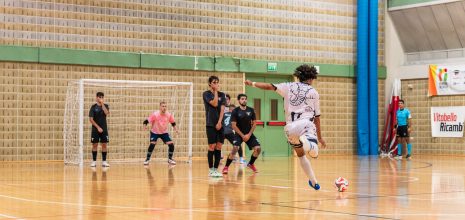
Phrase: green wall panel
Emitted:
{"points": [[19, 54], [205, 63], [335, 70], [163, 61], [382, 72], [261, 66], [227, 64]]}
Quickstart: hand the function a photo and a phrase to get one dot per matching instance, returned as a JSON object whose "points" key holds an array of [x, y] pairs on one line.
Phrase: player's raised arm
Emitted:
{"points": [[213, 101], [212, 95], [105, 109], [260, 85]]}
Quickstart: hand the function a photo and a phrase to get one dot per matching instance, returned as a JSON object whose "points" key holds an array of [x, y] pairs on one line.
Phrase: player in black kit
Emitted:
{"points": [[98, 118], [214, 102], [243, 121], [227, 127]]}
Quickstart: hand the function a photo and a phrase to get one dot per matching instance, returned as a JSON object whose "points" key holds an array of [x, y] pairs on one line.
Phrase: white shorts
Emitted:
{"points": [[298, 128], [303, 131]]}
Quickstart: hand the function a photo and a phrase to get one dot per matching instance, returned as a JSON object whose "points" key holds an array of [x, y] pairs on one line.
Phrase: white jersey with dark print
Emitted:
{"points": [[301, 105], [300, 100]]}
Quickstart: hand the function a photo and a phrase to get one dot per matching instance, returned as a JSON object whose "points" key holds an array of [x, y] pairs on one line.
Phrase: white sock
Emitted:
{"points": [[305, 164]]}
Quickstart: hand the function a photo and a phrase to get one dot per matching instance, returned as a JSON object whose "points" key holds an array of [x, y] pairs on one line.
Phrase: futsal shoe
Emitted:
{"points": [[217, 174], [211, 172], [93, 164], [252, 167], [171, 161], [408, 157], [105, 164], [225, 170], [243, 161], [316, 186], [398, 157]]}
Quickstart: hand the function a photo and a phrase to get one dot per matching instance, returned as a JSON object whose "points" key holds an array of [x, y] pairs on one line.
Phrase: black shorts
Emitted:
{"points": [[402, 131], [230, 138], [99, 137], [164, 137], [251, 143], [214, 136]]}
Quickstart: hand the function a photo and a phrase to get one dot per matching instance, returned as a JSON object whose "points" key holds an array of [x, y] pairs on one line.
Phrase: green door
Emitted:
{"points": [[269, 108], [255, 99]]}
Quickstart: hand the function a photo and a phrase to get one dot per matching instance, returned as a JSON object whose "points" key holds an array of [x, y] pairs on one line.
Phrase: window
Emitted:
{"points": [[274, 109]]}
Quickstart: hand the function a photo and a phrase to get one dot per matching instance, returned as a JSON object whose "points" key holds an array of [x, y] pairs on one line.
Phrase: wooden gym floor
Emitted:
{"points": [[426, 187]]}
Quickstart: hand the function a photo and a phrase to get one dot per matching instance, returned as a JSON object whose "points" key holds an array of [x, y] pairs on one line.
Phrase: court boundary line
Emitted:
{"points": [[10, 216], [334, 212]]}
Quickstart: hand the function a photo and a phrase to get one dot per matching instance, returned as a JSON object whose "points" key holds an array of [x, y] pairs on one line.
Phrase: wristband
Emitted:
{"points": [[253, 84]]}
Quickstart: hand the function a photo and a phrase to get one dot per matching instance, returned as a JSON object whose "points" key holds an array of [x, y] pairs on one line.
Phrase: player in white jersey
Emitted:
{"points": [[302, 107]]}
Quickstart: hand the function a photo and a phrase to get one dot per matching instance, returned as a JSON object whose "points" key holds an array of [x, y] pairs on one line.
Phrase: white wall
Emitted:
{"points": [[395, 60]]}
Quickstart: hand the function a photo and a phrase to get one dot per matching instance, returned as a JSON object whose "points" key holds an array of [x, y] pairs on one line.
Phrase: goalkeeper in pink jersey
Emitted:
{"points": [[159, 129]]}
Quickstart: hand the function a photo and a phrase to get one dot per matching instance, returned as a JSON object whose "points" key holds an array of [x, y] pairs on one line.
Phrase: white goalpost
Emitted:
{"points": [[130, 103]]}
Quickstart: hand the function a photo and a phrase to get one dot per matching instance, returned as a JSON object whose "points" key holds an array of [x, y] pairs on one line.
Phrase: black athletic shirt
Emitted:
{"points": [[243, 118], [212, 114], [96, 112], [227, 123]]}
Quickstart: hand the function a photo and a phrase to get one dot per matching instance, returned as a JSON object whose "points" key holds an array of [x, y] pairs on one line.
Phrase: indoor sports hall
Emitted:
{"points": [[238, 109]]}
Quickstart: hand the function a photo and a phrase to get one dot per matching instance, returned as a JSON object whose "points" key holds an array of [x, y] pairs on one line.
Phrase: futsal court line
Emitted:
{"points": [[231, 211], [374, 215], [208, 180], [8, 216], [334, 212], [91, 213], [185, 178], [427, 164], [363, 195], [368, 196], [158, 209], [410, 179], [228, 211]]}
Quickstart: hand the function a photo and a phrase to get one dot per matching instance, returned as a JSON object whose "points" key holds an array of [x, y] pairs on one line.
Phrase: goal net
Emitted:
{"points": [[130, 103]]}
